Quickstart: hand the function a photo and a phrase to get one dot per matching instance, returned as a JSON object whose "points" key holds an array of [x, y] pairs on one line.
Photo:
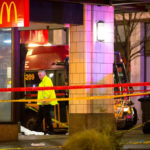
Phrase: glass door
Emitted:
{"points": [[5, 74]]}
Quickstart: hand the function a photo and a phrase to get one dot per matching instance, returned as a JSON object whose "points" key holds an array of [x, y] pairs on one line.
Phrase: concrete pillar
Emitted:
{"points": [[91, 62]]}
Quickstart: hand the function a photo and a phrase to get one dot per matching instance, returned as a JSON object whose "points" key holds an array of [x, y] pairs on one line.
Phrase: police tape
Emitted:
{"points": [[139, 142], [134, 143], [33, 147], [23, 89], [60, 123], [136, 127], [76, 98], [54, 120], [131, 91]]}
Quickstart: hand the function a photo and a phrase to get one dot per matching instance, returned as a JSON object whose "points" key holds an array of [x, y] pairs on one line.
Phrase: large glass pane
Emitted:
{"points": [[5, 73]]}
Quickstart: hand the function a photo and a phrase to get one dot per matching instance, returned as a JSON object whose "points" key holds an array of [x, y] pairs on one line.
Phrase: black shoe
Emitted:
{"points": [[49, 133]]}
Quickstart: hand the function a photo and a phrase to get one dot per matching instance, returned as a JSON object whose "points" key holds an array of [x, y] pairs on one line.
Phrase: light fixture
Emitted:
{"points": [[100, 31], [51, 75], [36, 45], [8, 41], [29, 52]]}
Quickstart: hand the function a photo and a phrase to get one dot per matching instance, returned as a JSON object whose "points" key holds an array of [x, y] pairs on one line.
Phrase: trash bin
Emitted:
{"points": [[145, 105]]}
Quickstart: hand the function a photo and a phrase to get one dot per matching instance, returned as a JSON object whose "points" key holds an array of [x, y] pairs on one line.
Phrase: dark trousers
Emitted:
{"points": [[44, 112]]}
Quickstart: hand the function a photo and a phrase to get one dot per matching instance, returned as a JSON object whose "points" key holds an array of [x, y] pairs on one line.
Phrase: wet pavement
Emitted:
{"points": [[133, 140], [136, 140], [34, 142]]}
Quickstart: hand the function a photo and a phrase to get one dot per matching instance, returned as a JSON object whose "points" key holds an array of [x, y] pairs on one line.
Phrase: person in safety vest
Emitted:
{"points": [[45, 106]]}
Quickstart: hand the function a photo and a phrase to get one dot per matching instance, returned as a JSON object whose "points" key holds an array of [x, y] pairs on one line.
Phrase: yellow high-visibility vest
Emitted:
{"points": [[46, 94]]}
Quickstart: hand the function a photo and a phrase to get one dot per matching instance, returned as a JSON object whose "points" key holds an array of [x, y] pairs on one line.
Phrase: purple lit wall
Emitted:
{"points": [[91, 61]]}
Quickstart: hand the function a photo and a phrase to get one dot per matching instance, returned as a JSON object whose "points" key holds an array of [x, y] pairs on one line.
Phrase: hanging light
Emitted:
{"points": [[100, 31]]}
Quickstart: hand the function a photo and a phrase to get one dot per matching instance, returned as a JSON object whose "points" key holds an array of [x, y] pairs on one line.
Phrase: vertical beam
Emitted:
{"points": [[9, 131], [15, 70]]}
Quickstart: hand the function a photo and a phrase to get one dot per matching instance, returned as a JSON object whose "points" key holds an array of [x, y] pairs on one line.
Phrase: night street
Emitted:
{"points": [[53, 142]]}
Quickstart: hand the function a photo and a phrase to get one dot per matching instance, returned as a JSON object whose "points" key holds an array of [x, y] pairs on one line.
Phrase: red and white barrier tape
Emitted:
{"points": [[22, 89]]}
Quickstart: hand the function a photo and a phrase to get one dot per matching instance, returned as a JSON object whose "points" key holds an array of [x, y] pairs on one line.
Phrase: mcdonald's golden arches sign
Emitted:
{"points": [[14, 13]]}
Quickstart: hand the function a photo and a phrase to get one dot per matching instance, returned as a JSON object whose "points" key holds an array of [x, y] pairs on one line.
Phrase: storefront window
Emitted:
{"points": [[5, 73]]}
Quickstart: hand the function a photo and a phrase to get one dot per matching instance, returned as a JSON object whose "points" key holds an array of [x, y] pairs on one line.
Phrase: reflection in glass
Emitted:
{"points": [[5, 73]]}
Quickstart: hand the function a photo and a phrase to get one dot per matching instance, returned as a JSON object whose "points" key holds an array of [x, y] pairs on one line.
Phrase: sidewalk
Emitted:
{"points": [[45, 142], [136, 140], [53, 142]]}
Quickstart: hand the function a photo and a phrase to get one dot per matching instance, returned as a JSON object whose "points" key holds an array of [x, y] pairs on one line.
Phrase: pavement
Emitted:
{"points": [[133, 140], [34, 142], [136, 140]]}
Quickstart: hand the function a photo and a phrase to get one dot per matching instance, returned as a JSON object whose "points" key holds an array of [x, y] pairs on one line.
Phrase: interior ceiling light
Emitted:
{"points": [[36, 45]]}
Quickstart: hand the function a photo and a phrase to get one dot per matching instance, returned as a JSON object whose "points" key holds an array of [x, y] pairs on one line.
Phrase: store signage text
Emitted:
{"points": [[14, 13]]}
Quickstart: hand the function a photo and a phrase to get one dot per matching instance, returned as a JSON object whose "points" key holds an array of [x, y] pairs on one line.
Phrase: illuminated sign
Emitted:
{"points": [[8, 9], [29, 76], [14, 13]]}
